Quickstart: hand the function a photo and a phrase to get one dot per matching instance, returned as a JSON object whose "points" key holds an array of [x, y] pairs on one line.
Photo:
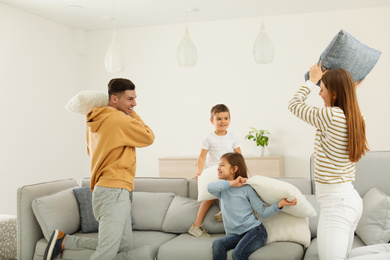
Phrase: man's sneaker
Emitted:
{"points": [[218, 216], [198, 231], [55, 245]]}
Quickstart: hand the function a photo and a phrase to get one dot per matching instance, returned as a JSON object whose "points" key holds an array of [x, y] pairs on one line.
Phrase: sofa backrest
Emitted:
{"points": [[179, 186], [28, 230], [373, 170]]}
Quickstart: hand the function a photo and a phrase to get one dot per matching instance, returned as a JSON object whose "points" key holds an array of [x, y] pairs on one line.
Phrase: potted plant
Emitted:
{"points": [[259, 137]]}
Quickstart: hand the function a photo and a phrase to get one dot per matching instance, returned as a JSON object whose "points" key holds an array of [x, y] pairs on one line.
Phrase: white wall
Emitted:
{"points": [[42, 141], [39, 72]]}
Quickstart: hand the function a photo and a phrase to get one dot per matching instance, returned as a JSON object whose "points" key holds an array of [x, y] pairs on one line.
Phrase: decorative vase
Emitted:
{"points": [[259, 151]]}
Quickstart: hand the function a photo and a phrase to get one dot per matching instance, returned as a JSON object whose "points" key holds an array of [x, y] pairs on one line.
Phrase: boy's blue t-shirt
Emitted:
{"points": [[237, 206]]}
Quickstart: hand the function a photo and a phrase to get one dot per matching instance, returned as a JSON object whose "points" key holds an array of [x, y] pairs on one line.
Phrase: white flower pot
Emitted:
{"points": [[259, 151]]}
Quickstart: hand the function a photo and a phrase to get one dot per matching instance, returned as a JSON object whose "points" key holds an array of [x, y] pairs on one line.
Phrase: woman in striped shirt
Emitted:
{"points": [[340, 141]]}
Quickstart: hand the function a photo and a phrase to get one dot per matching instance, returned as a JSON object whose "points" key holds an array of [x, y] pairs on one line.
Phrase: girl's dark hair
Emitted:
{"points": [[236, 159], [340, 82], [119, 85]]}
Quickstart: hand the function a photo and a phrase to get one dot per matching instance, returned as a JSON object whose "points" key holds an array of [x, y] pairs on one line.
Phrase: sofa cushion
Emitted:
{"points": [[57, 211], [149, 209], [189, 247], [374, 225], [181, 215], [312, 252], [87, 219], [85, 100], [286, 227], [345, 51]]}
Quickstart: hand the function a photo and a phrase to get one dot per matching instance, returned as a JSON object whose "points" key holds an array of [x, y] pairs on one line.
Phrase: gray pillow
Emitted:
{"points": [[346, 52], [88, 221], [181, 215], [149, 209], [57, 211], [374, 225]]}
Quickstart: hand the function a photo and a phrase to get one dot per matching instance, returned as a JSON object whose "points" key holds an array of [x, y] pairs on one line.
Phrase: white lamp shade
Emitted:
{"points": [[114, 61], [186, 51], [263, 49]]}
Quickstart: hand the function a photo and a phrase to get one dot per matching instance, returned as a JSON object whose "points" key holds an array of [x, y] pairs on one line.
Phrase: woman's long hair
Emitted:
{"points": [[236, 159], [340, 81]]}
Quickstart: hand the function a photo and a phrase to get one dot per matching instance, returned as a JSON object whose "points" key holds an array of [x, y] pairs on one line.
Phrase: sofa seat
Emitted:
{"points": [[201, 249], [152, 239], [312, 251]]}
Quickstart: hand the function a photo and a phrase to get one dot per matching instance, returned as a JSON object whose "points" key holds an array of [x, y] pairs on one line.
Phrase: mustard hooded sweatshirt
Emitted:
{"points": [[111, 140]]}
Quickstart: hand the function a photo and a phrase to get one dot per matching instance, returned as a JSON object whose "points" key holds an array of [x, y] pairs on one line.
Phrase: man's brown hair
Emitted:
{"points": [[119, 85]]}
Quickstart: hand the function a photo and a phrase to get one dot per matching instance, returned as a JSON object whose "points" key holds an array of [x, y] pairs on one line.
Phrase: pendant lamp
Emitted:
{"points": [[114, 61], [263, 49], [186, 53]]}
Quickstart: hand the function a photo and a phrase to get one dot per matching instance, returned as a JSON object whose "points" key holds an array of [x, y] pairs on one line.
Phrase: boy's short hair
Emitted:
{"points": [[218, 109], [119, 85]]}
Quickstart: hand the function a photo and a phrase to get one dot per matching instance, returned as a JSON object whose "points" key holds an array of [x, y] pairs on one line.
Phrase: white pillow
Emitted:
{"points": [[208, 175], [374, 225], [286, 227], [57, 211], [272, 191], [85, 101]]}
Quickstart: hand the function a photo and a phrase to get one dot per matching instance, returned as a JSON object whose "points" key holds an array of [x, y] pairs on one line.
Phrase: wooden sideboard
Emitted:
{"points": [[186, 167]]}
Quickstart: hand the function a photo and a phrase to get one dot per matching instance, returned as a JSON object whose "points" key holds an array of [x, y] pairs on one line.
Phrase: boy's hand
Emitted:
{"points": [[239, 182], [285, 202]]}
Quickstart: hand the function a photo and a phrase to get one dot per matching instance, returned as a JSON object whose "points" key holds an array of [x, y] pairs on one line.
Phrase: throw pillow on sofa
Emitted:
{"points": [[85, 100], [286, 227], [57, 211], [181, 215], [87, 219], [149, 209], [346, 52], [374, 225]]}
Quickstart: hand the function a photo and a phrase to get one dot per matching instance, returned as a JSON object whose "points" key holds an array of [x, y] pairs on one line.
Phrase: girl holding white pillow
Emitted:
{"points": [[340, 142], [244, 231]]}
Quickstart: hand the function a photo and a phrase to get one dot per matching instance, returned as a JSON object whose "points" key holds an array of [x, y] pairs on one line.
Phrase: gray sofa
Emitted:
{"points": [[164, 208]]}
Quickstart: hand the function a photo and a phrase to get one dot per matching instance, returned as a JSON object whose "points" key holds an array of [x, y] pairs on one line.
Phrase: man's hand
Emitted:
{"points": [[285, 202], [239, 182]]}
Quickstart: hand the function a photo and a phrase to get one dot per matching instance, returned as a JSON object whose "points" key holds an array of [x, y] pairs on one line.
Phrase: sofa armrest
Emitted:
{"points": [[28, 230]]}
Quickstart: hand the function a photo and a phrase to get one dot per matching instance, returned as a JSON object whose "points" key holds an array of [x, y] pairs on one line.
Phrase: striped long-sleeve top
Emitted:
{"points": [[331, 159]]}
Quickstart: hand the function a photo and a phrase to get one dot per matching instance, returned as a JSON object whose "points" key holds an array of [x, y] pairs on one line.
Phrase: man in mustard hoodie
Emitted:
{"points": [[113, 133]]}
